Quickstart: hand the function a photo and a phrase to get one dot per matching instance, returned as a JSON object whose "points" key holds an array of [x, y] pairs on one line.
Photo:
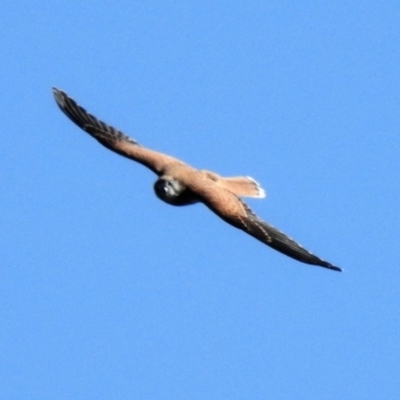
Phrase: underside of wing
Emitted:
{"points": [[110, 137], [276, 239], [236, 213]]}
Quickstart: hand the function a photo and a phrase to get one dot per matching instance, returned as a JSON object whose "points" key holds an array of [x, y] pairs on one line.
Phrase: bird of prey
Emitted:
{"points": [[180, 184]]}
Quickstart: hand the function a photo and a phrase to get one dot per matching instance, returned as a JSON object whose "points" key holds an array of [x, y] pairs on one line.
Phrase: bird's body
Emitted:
{"points": [[180, 184]]}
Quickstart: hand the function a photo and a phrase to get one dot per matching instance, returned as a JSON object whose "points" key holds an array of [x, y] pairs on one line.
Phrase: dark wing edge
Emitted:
{"points": [[276, 239], [104, 133], [108, 136], [237, 213]]}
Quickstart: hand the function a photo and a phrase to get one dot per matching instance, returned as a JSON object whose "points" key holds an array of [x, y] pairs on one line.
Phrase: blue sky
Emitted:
{"points": [[106, 292]]}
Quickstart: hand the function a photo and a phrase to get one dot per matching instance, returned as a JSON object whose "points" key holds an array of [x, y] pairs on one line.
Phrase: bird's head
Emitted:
{"points": [[168, 189]]}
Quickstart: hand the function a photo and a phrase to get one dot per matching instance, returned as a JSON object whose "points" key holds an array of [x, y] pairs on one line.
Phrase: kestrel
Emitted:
{"points": [[180, 184]]}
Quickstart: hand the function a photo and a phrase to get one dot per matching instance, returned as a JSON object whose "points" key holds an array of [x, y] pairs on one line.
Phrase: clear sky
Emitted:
{"points": [[108, 293]]}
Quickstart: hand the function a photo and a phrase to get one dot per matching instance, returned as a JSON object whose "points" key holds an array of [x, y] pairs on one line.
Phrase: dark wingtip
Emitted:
{"points": [[58, 95], [332, 267]]}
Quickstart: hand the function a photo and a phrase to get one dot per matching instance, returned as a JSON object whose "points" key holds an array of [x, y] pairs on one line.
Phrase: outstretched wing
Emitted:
{"points": [[276, 239], [110, 137], [238, 214]]}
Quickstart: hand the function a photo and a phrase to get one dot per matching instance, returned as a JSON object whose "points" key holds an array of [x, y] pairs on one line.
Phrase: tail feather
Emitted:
{"points": [[243, 186]]}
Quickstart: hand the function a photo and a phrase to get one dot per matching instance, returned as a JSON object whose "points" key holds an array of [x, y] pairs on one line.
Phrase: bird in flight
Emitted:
{"points": [[180, 184]]}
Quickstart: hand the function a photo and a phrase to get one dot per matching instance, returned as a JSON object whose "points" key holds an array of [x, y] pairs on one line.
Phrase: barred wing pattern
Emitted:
{"points": [[276, 239], [110, 137]]}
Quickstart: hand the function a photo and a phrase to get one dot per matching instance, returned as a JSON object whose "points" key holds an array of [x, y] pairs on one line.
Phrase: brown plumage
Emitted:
{"points": [[180, 184]]}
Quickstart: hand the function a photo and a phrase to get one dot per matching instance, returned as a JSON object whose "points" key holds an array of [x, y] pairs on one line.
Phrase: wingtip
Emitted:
{"points": [[333, 268], [56, 92], [59, 96]]}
